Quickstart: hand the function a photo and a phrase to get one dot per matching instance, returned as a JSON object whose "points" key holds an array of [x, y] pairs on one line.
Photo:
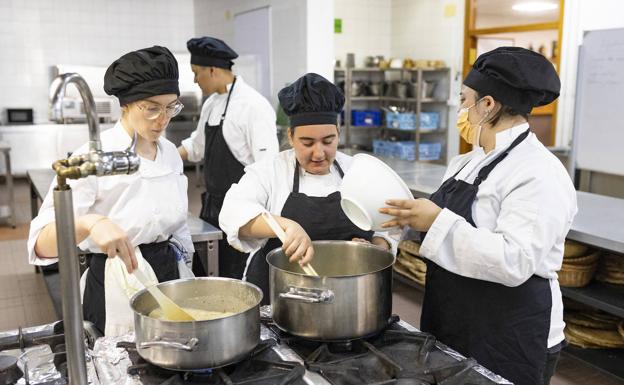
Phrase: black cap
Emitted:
{"points": [[516, 77], [211, 52], [141, 74], [311, 99]]}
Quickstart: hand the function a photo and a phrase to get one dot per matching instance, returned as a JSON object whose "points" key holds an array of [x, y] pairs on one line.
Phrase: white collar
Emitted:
{"points": [[121, 140], [239, 82], [505, 137]]}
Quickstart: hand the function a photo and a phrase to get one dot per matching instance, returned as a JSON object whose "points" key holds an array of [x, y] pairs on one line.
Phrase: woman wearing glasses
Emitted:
{"points": [[140, 218]]}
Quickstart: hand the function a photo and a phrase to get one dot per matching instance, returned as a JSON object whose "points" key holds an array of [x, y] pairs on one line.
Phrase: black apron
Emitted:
{"points": [[504, 328], [161, 256], [221, 170], [321, 217]]}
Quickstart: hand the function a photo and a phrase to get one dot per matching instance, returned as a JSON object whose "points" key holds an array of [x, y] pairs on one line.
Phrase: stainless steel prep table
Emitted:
{"points": [[205, 237]]}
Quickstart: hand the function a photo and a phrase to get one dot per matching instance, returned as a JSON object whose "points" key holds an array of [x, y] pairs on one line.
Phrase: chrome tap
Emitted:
{"points": [[95, 162], [57, 94]]}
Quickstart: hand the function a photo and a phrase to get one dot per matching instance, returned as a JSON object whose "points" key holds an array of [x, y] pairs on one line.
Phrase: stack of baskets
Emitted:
{"points": [[579, 265], [409, 263], [611, 269], [590, 328]]}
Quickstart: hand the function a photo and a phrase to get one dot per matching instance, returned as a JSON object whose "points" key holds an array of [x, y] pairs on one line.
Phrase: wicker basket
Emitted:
{"points": [[574, 249], [589, 259], [576, 276]]}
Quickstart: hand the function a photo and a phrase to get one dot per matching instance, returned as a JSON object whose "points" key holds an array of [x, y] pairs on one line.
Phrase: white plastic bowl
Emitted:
{"points": [[366, 186]]}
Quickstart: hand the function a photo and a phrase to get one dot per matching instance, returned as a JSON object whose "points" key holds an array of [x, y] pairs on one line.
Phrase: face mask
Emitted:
{"points": [[468, 131]]}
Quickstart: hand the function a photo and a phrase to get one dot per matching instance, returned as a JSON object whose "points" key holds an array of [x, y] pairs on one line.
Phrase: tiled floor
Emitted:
{"points": [[24, 300]]}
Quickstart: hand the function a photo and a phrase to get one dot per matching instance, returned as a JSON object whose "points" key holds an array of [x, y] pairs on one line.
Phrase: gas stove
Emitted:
{"points": [[399, 355]]}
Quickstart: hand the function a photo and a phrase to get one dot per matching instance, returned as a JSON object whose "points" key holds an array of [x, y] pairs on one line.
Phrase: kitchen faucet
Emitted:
{"points": [[97, 163]]}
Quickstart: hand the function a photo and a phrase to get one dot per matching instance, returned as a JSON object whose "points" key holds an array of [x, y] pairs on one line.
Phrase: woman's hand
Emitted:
{"points": [[376, 241], [298, 245], [419, 214], [113, 241]]}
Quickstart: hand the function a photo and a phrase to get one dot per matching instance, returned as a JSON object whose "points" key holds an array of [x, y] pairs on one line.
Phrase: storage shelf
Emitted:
{"points": [[365, 98], [397, 99], [610, 361], [426, 132], [433, 100], [369, 127], [603, 296], [417, 104], [442, 69]]}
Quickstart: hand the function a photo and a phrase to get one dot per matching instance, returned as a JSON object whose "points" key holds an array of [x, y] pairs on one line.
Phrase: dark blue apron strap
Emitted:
{"points": [[485, 171], [296, 174], [227, 102]]}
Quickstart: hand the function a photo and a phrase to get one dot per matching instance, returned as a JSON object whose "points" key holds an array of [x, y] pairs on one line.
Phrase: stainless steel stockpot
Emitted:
{"points": [[351, 298], [205, 344]]}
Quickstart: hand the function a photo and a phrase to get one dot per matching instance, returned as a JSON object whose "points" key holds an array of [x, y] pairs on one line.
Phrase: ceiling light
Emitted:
{"points": [[534, 6]]}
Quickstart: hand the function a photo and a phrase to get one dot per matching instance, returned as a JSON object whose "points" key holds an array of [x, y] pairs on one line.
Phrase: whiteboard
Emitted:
{"points": [[599, 117]]}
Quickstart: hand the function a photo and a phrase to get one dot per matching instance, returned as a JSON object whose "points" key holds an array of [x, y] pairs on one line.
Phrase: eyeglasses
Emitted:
{"points": [[153, 111]]}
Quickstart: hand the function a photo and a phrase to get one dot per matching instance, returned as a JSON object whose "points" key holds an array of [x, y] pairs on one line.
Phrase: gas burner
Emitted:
{"points": [[394, 356], [287, 338], [262, 367]]}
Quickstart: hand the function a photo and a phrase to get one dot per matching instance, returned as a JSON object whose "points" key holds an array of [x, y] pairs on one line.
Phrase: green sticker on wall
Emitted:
{"points": [[337, 25]]}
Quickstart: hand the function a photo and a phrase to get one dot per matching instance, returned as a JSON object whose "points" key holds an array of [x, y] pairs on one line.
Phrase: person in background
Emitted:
{"points": [[495, 229], [140, 218], [236, 128], [298, 186]]}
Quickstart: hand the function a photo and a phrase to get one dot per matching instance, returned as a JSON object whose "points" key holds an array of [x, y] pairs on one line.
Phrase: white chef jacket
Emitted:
{"points": [[249, 128], [266, 185], [150, 205], [522, 213]]}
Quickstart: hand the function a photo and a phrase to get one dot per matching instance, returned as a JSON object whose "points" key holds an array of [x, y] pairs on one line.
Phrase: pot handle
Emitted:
{"points": [[158, 342], [308, 295]]}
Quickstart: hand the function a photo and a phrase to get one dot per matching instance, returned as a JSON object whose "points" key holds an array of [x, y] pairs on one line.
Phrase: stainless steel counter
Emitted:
{"points": [[599, 221]]}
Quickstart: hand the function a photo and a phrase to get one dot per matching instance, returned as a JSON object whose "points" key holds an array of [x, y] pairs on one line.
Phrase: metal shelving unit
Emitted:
{"points": [[437, 102]]}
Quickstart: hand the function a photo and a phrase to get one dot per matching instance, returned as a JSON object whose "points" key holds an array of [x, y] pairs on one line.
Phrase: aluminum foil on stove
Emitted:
{"points": [[37, 364], [112, 362]]}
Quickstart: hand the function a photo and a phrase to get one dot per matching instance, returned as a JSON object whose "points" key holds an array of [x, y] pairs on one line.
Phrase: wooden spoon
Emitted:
{"points": [[277, 229], [171, 311]]}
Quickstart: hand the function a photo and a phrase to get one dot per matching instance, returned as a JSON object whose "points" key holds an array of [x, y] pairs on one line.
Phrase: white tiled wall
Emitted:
{"points": [[37, 34], [422, 30], [366, 29], [288, 32]]}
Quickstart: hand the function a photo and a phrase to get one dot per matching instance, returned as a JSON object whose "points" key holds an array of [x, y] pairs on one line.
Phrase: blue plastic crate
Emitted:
{"points": [[430, 150], [382, 147], [429, 121], [407, 120], [405, 150], [401, 120], [366, 118]]}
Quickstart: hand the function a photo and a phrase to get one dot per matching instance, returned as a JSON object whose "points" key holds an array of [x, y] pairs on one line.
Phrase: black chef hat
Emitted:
{"points": [[141, 74], [211, 52], [516, 77], [311, 99]]}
